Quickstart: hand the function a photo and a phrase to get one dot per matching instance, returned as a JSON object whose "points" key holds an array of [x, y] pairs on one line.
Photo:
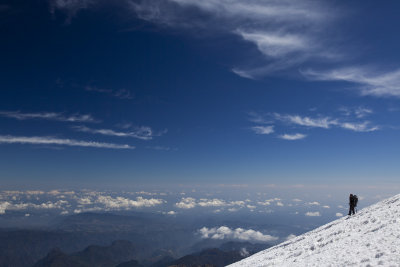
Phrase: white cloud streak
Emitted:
{"points": [[275, 45], [359, 127], [35, 140], [70, 7], [142, 133], [225, 232], [263, 129], [260, 10], [367, 80], [54, 116], [361, 112], [292, 137], [323, 122], [259, 118]]}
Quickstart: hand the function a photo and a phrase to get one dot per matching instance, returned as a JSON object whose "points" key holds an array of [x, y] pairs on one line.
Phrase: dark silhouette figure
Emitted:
{"points": [[352, 203]]}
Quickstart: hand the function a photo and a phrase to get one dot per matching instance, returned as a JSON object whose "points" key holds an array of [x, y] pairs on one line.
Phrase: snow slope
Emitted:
{"points": [[370, 238]]}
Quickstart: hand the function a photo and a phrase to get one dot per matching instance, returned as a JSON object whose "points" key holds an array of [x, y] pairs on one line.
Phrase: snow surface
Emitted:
{"points": [[369, 238]]}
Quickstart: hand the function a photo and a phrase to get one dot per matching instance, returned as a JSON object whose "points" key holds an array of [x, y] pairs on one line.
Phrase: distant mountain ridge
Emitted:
{"points": [[123, 253], [369, 238], [82, 236], [24, 247], [100, 256]]}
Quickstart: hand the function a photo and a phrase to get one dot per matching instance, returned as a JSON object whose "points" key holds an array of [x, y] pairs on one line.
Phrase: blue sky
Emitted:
{"points": [[199, 92]]}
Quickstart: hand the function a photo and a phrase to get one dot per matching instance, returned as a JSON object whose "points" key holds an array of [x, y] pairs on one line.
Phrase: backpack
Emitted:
{"points": [[355, 200]]}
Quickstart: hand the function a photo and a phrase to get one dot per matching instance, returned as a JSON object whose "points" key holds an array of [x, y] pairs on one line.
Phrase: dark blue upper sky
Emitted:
{"points": [[213, 91]]}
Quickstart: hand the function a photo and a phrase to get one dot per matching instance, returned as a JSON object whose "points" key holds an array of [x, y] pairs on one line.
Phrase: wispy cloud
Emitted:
{"points": [[275, 45], [327, 122], [287, 33], [48, 116], [359, 127], [121, 93], [143, 132], [322, 122], [263, 129], [259, 118], [8, 139], [361, 112], [225, 232], [292, 137], [70, 7], [358, 112], [368, 81]]}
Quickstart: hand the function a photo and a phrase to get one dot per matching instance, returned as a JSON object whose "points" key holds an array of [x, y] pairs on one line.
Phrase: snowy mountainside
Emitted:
{"points": [[369, 238]]}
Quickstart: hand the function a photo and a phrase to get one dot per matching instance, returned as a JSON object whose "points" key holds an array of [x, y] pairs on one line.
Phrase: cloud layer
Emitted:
{"points": [[190, 203], [225, 232], [68, 202], [165, 202]]}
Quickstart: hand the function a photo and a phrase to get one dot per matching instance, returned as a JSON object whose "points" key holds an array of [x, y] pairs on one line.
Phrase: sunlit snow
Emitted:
{"points": [[369, 238]]}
